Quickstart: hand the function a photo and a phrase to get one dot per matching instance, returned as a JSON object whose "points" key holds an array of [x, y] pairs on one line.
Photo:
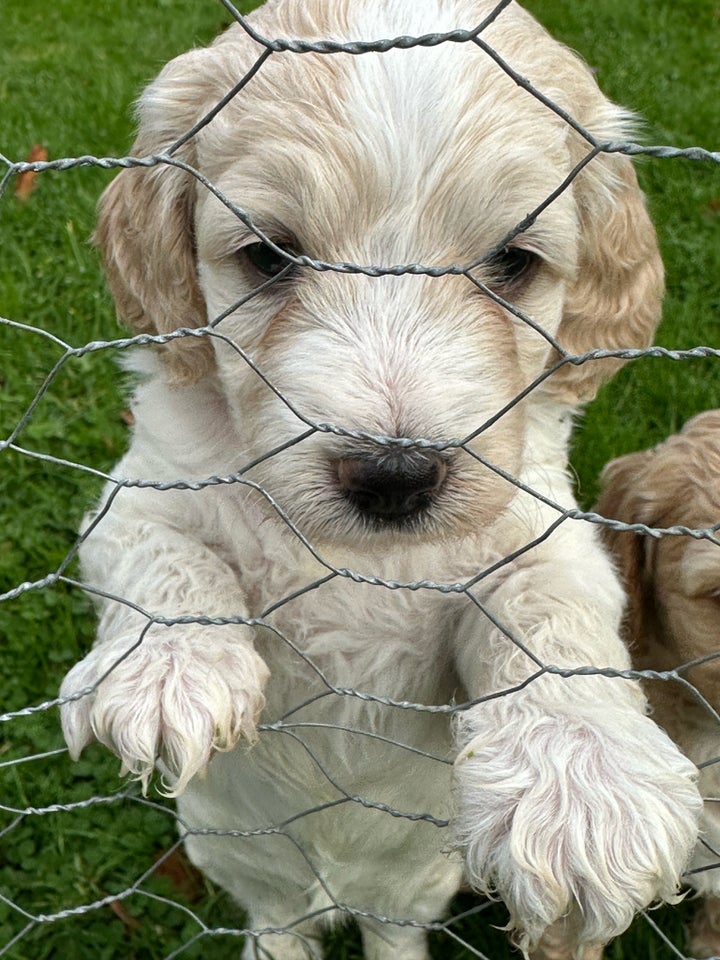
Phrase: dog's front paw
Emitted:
{"points": [[176, 700], [565, 817]]}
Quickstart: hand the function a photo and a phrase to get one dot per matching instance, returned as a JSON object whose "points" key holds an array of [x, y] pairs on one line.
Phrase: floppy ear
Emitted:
{"points": [[145, 226], [622, 498], [615, 300]]}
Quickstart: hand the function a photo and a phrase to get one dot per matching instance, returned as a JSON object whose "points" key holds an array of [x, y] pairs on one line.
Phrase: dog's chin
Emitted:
{"points": [[362, 535], [420, 526]]}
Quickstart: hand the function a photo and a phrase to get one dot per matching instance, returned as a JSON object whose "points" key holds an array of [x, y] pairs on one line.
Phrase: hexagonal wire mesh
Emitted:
{"points": [[161, 908]]}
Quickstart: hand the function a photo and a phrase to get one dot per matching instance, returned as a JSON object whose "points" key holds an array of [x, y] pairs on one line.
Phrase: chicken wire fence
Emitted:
{"points": [[79, 808]]}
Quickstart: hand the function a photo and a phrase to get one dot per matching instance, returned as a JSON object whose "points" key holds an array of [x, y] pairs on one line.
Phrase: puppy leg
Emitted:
{"points": [[301, 942], [149, 691], [384, 941], [694, 728], [704, 933], [558, 943], [567, 795]]}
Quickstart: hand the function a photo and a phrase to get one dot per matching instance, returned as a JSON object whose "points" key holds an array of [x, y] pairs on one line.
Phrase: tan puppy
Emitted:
{"points": [[673, 615]]}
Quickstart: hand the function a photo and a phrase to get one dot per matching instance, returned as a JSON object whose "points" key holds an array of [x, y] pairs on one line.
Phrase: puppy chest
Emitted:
{"points": [[360, 637]]}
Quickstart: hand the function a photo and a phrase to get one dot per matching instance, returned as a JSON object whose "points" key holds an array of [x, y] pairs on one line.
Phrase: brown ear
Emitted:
{"points": [[622, 498], [616, 298], [145, 225]]}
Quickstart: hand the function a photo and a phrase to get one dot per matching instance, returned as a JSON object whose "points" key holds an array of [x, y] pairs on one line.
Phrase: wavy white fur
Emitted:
{"points": [[567, 802]]}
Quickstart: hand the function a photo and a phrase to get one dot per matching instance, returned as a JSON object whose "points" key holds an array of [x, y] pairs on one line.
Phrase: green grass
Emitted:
{"points": [[660, 60], [68, 73]]}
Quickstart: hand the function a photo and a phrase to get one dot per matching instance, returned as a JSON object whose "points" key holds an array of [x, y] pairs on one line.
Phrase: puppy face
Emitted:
{"points": [[688, 584], [426, 156]]}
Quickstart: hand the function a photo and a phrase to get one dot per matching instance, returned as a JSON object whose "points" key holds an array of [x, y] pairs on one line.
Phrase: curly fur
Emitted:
{"points": [[567, 802], [673, 585]]}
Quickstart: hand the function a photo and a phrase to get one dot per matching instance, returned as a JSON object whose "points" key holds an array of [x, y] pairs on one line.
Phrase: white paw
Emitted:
{"points": [[589, 817], [176, 699]]}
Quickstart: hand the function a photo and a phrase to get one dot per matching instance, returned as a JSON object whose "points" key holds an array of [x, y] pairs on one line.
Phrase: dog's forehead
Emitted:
{"points": [[439, 129], [424, 96]]}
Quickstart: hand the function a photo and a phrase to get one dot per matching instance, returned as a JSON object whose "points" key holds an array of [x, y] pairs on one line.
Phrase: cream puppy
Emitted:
{"points": [[336, 515]]}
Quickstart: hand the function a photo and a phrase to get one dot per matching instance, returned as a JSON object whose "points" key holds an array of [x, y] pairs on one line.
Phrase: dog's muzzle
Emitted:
{"points": [[392, 488]]}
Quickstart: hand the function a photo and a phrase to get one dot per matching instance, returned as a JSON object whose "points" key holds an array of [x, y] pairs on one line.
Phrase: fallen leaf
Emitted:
{"points": [[183, 876], [25, 183], [121, 913]]}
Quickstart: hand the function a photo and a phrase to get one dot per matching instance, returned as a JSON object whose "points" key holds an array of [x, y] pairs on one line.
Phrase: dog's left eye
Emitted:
{"points": [[511, 265], [266, 261]]}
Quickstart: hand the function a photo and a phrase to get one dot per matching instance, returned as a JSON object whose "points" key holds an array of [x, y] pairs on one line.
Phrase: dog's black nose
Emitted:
{"points": [[393, 487]]}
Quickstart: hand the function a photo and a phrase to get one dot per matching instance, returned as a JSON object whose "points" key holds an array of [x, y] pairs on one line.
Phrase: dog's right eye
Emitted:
{"points": [[267, 261], [513, 265]]}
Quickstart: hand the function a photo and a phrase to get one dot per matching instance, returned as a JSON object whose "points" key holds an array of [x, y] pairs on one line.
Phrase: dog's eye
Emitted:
{"points": [[511, 265], [266, 261]]}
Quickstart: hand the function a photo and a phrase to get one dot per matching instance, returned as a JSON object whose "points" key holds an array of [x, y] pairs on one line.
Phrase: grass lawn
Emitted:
{"points": [[68, 74]]}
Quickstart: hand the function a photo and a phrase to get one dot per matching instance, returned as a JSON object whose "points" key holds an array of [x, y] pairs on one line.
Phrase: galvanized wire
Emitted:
{"points": [[21, 816]]}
